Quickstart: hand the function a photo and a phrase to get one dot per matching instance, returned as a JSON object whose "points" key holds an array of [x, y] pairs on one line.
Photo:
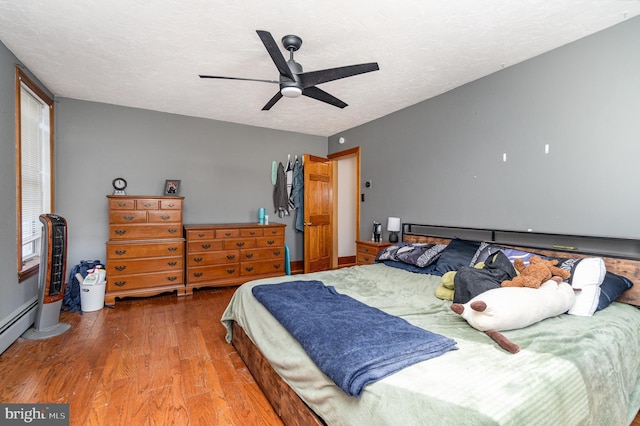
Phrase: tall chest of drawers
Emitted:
{"points": [[145, 251], [232, 253]]}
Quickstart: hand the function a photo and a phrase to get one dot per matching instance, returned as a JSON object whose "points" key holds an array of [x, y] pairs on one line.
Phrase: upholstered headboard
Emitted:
{"points": [[621, 256]]}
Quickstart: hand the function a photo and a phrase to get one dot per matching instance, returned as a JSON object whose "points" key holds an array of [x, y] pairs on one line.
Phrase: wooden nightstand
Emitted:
{"points": [[367, 251]]}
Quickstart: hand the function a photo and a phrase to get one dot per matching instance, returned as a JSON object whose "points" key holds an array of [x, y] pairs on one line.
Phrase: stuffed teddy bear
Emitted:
{"points": [[509, 308], [536, 273]]}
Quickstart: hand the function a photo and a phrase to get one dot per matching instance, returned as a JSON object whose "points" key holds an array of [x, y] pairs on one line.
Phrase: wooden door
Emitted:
{"points": [[318, 213]]}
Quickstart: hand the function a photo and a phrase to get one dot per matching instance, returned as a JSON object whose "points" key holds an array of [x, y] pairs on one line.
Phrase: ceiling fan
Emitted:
{"points": [[293, 82]]}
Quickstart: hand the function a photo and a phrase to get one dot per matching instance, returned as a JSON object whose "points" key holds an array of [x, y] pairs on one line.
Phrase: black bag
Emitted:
{"points": [[71, 299]]}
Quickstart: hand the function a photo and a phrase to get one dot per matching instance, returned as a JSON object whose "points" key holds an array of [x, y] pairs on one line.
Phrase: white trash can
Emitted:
{"points": [[92, 296]]}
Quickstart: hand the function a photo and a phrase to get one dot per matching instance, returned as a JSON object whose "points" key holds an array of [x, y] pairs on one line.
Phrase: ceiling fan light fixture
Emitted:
{"points": [[291, 91]]}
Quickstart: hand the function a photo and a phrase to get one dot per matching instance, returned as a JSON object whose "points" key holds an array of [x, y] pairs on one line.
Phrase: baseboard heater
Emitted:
{"points": [[18, 324]]}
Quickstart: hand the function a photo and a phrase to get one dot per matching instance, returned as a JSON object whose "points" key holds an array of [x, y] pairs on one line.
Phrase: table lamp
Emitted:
{"points": [[393, 226]]}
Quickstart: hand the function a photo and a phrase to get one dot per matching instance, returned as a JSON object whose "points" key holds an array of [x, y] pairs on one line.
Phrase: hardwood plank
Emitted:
{"points": [[148, 361]]}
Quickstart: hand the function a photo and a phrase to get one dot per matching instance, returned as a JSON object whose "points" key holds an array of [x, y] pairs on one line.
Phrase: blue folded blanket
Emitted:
{"points": [[352, 343]]}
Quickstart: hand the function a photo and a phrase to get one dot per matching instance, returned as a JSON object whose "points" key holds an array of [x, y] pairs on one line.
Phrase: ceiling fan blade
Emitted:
{"points": [[272, 101], [317, 77], [276, 55], [238, 78], [321, 95]]}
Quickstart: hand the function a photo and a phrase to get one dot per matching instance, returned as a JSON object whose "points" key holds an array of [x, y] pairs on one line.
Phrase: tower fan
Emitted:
{"points": [[53, 265]]}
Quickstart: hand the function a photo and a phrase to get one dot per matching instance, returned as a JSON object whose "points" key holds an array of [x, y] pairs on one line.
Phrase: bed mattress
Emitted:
{"points": [[570, 370]]}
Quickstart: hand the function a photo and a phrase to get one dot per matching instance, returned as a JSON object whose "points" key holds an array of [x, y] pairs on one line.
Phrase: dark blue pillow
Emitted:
{"points": [[457, 254], [611, 288]]}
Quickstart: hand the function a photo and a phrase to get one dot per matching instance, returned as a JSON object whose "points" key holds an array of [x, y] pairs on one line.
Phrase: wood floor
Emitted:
{"points": [[151, 361]]}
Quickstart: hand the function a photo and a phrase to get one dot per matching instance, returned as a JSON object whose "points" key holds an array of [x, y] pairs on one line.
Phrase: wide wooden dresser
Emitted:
{"points": [[145, 251], [232, 253]]}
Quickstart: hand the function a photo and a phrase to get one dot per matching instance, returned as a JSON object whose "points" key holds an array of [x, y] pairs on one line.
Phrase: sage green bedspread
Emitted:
{"points": [[570, 370]]}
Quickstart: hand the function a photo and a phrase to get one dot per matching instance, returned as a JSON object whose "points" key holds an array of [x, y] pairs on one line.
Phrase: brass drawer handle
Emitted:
{"points": [[127, 217], [252, 232], [201, 235], [120, 231], [120, 252], [227, 234], [270, 242], [171, 205], [240, 244], [249, 255], [249, 268], [230, 271], [206, 246], [197, 274], [165, 217], [172, 278], [276, 266], [172, 230], [231, 256], [274, 232], [276, 253], [172, 263], [172, 248], [197, 259], [120, 283], [121, 267], [147, 204], [122, 205], [366, 250]]}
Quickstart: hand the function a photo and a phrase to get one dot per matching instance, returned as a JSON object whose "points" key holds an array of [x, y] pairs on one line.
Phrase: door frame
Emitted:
{"points": [[335, 158]]}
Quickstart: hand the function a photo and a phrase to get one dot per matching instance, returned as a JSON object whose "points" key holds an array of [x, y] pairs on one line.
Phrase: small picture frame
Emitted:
{"points": [[172, 187]]}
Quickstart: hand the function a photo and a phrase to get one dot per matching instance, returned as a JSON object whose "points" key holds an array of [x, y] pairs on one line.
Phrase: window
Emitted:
{"points": [[34, 169]]}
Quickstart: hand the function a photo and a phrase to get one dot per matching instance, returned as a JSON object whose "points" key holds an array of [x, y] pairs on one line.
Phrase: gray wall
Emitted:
{"points": [[14, 297], [225, 168], [440, 162]]}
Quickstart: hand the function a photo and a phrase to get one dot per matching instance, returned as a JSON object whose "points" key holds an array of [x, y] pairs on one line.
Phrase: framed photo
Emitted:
{"points": [[171, 187]]}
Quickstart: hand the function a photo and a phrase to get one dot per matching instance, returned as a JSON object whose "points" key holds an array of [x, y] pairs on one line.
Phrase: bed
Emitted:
{"points": [[582, 370]]}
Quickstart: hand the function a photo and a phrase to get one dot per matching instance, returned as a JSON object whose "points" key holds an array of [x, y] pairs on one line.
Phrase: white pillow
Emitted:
{"points": [[587, 275]]}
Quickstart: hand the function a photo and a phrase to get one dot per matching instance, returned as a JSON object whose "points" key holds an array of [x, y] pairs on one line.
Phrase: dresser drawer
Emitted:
{"points": [[132, 232], [138, 266], [147, 204], [211, 273], [272, 232], [200, 234], [131, 251], [156, 279], [239, 243], [164, 216], [262, 267], [127, 216], [122, 204], [262, 254], [171, 204], [251, 232], [213, 258], [365, 258], [204, 246], [271, 241], [227, 233]]}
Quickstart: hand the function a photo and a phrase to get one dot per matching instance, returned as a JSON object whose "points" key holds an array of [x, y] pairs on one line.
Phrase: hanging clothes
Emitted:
{"points": [[280, 200], [289, 173], [297, 194]]}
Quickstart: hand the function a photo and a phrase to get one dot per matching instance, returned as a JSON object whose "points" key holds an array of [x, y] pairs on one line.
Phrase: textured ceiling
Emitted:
{"points": [[148, 54]]}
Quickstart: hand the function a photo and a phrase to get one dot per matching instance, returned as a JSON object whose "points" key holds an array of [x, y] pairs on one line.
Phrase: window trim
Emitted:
{"points": [[32, 266]]}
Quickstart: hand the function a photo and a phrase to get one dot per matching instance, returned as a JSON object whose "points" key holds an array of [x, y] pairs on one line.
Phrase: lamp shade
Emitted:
{"points": [[393, 224]]}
